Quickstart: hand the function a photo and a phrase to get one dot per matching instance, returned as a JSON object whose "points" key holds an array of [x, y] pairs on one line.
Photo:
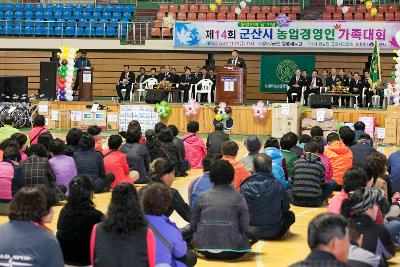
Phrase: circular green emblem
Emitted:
{"points": [[285, 70]]}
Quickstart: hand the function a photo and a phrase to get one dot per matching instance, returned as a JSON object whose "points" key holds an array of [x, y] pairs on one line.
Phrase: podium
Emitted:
{"points": [[86, 84], [231, 83]]}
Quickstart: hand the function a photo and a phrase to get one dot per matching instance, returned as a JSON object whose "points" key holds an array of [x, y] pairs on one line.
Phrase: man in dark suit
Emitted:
{"points": [[345, 80], [296, 84], [333, 80], [141, 77], [125, 82], [80, 64], [313, 85], [213, 78], [235, 60], [175, 77], [197, 75], [161, 75], [165, 75], [356, 86], [185, 81]]}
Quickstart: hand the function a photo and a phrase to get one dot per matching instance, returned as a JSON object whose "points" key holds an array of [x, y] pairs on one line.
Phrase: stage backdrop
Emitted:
{"points": [[276, 71], [315, 34]]}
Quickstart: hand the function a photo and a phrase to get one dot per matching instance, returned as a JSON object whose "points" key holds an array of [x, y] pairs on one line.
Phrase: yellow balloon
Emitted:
{"points": [[395, 58], [368, 4], [64, 56], [395, 51], [58, 54], [374, 11], [218, 2], [212, 7]]}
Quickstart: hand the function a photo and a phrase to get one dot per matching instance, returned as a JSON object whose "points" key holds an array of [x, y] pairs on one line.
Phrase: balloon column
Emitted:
{"points": [[66, 73], [259, 110], [191, 108], [223, 115], [163, 109]]}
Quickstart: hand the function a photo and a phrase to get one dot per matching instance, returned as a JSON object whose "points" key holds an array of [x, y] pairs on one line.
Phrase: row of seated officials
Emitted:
{"points": [[136, 226], [183, 82], [354, 81]]}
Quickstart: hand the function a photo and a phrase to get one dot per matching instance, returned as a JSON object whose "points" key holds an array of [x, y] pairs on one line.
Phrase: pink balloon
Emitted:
{"points": [[187, 114], [261, 116], [194, 112]]}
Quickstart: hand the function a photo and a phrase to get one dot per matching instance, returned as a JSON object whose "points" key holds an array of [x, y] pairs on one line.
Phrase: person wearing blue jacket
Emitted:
{"points": [[272, 149], [272, 220], [202, 183]]}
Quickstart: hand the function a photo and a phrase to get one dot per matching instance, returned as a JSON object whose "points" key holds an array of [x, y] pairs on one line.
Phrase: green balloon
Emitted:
{"points": [[63, 74], [64, 68], [163, 103], [156, 107], [226, 117], [164, 115], [167, 109]]}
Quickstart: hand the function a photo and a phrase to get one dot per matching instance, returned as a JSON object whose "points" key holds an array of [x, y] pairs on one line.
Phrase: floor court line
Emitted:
{"points": [[259, 250], [307, 211]]}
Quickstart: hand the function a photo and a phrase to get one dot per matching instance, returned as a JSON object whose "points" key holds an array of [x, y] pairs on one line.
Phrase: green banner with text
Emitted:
{"points": [[276, 71]]}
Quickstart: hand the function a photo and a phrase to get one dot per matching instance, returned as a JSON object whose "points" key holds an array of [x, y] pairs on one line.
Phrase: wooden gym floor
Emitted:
{"points": [[264, 253]]}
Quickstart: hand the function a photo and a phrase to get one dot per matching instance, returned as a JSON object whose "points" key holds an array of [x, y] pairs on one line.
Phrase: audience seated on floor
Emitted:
{"points": [[22, 140], [272, 220], [295, 148], [72, 141], [12, 177], [212, 223], [137, 155], [123, 238], [309, 187], [340, 156], [362, 149], [38, 172], [394, 170], [115, 162], [95, 131], [215, 141], [90, 162], [163, 171], [170, 247], [375, 165], [279, 170], [76, 221], [303, 140], [286, 145], [39, 128], [179, 143], [202, 183], [329, 241], [23, 230], [153, 145], [253, 146], [362, 207], [63, 166], [229, 151], [6, 143], [324, 159], [8, 129], [195, 149]]}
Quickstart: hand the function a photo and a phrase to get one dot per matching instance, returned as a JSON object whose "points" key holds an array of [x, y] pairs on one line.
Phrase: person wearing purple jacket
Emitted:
{"points": [[171, 248], [63, 166]]}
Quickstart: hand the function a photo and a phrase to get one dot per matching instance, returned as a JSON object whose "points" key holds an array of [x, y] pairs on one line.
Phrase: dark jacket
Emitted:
{"points": [[356, 87], [239, 63], [333, 81], [177, 203], [215, 141], [73, 233], [138, 158], [361, 151], [172, 151], [89, 162], [181, 147], [220, 220], [259, 189], [318, 82], [394, 170], [70, 150], [376, 238], [308, 177], [318, 258], [185, 80], [80, 63], [131, 77], [301, 82], [141, 78]]}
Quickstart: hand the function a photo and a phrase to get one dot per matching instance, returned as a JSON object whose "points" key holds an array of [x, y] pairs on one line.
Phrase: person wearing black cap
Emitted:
{"points": [[253, 145], [215, 141]]}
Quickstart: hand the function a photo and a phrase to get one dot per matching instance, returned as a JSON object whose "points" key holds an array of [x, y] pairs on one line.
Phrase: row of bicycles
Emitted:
{"points": [[19, 108]]}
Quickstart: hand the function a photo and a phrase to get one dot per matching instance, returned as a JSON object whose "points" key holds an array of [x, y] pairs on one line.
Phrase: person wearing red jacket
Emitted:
{"points": [[115, 162]]}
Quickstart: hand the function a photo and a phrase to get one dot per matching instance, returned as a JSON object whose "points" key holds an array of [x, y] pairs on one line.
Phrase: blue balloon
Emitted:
{"points": [[62, 98], [62, 92]]}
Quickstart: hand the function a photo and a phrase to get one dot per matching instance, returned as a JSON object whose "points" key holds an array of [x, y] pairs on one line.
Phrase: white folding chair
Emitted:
{"points": [[206, 85], [364, 96], [294, 95], [146, 85], [123, 92], [386, 98]]}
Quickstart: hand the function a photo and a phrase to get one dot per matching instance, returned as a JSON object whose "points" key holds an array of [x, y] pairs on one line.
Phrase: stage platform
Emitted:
{"points": [[244, 123]]}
